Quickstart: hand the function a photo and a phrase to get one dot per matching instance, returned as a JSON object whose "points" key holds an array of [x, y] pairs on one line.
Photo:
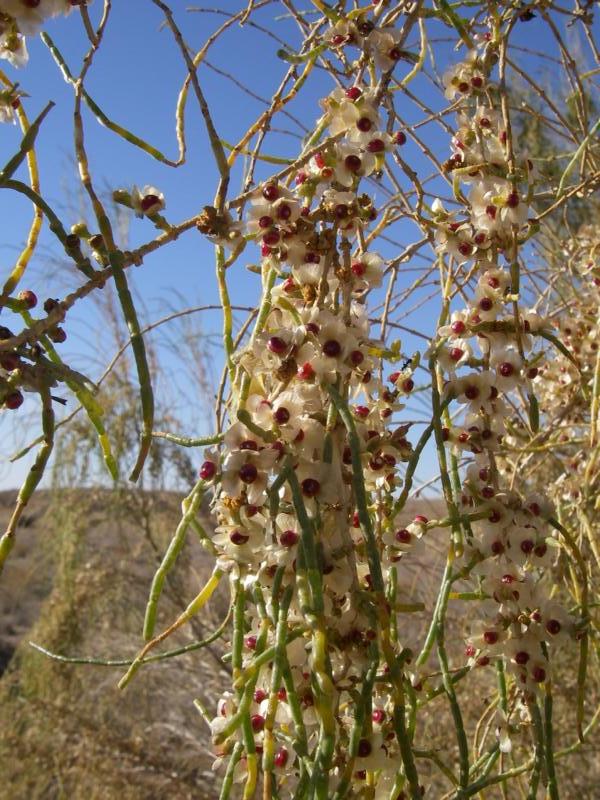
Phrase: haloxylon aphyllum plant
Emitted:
{"points": [[351, 678]]}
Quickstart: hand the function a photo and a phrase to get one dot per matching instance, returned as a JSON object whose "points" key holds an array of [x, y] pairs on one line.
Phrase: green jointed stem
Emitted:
{"points": [[189, 508], [538, 758], [324, 705], [276, 678], [187, 441], [406, 751], [26, 145], [251, 758], [414, 461], [309, 546], [360, 494], [322, 682], [125, 662], [246, 689], [227, 315], [90, 405], [360, 497], [552, 786], [56, 226], [456, 677], [454, 20], [484, 780], [438, 613], [228, 780], [438, 410], [237, 640], [116, 260], [97, 111], [461, 737], [263, 313], [246, 418], [260, 157], [94, 411], [273, 491], [192, 609], [301, 741]]}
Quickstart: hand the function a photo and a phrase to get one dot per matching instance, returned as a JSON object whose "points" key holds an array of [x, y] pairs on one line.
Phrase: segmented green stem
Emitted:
{"points": [[189, 508]]}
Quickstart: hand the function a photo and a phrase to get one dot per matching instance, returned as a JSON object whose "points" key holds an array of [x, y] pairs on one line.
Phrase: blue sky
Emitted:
{"points": [[135, 79]]}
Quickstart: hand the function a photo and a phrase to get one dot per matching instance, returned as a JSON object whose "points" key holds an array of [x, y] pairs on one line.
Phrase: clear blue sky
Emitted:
{"points": [[135, 79]]}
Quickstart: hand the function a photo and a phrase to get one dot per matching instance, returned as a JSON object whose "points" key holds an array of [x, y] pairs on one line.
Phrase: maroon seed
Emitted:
{"points": [[248, 473], [364, 748], [539, 674], [277, 345], [352, 163], [332, 348], [13, 400], [310, 487], [208, 470], [376, 146], [522, 657], [281, 415], [258, 722], [28, 297], [149, 201], [270, 192], [288, 538]]}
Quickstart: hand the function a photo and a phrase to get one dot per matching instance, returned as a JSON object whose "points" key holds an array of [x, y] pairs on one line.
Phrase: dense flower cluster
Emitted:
{"points": [[316, 335], [566, 386], [487, 353], [285, 482], [315, 338], [560, 380]]}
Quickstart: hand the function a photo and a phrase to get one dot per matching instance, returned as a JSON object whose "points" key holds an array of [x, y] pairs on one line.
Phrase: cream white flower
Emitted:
{"points": [[31, 16], [13, 45], [147, 201]]}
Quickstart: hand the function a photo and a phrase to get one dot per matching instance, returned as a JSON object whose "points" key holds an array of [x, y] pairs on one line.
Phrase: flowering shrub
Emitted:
{"points": [[314, 462]]}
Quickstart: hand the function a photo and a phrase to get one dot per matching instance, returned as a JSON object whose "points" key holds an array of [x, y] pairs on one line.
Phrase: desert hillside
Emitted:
{"points": [[77, 583]]}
